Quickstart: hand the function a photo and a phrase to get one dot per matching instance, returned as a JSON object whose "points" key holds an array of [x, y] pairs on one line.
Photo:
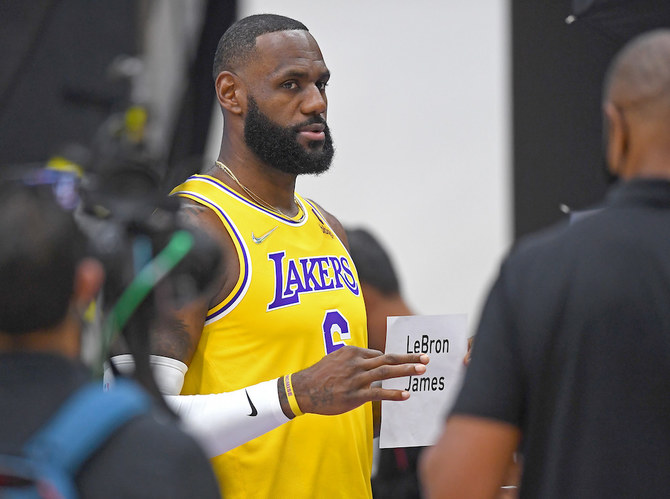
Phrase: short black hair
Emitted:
{"points": [[372, 262], [40, 248], [239, 40]]}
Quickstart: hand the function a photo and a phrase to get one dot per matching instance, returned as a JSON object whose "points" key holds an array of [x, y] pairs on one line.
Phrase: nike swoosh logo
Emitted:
{"points": [[259, 240], [251, 404]]}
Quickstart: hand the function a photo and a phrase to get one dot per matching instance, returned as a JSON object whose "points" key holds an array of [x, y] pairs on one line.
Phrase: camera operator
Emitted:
{"points": [[47, 281]]}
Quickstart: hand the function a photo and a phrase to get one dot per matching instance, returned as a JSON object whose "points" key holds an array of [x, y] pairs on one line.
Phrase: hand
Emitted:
{"points": [[341, 381], [468, 354]]}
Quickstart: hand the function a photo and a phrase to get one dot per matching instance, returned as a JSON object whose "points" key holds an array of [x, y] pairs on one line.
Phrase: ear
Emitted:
{"points": [[230, 92], [88, 280], [617, 138]]}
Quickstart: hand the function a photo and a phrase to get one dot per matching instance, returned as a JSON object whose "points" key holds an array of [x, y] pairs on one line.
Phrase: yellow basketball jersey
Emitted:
{"points": [[297, 299]]}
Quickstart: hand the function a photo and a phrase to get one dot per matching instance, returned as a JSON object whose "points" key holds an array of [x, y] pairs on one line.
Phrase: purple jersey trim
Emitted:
{"points": [[230, 191], [247, 264]]}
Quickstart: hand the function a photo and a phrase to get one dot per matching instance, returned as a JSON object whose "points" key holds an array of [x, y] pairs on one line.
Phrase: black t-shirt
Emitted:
{"points": [[148, 457], [573, 347]]}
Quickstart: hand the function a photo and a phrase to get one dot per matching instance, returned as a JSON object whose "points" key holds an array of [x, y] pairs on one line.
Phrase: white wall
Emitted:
{"points": [[419, 111]]}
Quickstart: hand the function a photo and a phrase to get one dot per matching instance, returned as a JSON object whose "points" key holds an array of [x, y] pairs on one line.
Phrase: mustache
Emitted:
{"points": [[317, 120]]}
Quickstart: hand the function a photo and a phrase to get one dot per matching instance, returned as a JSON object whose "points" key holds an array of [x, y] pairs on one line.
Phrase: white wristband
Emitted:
{"points": [[222, 421]]}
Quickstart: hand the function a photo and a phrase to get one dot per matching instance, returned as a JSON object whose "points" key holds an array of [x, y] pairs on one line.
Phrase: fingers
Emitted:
{"points": [[388, 372], [466, 359], [375, 358], [366, 353], [386, 394], [397, 358], [376, 366]]}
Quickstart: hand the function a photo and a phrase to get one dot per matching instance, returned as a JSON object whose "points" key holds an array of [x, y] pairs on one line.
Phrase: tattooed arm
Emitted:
{"points": [[177, 331]]}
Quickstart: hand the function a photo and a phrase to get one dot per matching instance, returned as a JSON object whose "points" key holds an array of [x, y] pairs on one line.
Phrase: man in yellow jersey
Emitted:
{"points": [[287, 296]]}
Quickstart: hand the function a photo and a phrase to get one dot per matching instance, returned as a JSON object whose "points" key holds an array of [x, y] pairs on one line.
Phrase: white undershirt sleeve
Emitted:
{"points": [[169, 373]]}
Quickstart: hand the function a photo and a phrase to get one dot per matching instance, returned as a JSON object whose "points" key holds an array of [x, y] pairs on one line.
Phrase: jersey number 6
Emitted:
{"points": [[334, 322]]}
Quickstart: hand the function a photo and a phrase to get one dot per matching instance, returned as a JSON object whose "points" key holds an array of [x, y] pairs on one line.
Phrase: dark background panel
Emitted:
{"points": [[195, 112], [62, 84], [557, 70], [55, 58]]}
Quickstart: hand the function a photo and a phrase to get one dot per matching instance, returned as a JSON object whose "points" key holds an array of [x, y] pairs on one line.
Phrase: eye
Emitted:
{"points": [[290, 85], [321, 85]]}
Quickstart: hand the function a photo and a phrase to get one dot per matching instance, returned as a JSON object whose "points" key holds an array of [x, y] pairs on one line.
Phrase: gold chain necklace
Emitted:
{"points": [[255, 196]]}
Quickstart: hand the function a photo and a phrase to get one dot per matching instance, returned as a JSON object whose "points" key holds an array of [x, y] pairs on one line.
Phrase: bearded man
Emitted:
{"points": [[287, 296]]}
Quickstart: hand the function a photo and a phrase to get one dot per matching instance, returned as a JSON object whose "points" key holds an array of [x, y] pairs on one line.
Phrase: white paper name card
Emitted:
{"points": [[420, 420]]}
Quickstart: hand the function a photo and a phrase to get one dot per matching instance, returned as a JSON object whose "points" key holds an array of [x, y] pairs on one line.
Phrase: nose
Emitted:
{"points": [[315, 101]]}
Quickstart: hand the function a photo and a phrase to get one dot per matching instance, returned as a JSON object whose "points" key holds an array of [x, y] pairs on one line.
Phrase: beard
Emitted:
{"points": [[278, 146]]}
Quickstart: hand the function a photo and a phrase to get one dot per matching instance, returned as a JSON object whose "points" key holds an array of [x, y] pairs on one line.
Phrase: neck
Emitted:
{"points": [[273, 186], [644, 150], [64, 339], [655, 163]]}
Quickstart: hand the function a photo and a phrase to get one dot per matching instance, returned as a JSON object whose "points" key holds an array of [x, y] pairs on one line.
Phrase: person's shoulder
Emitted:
{"points": [[150, 456], [572, 233], [195, 214], [538, 243], [541, 253], [334, 223], [198, 217], [554, 252]]}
